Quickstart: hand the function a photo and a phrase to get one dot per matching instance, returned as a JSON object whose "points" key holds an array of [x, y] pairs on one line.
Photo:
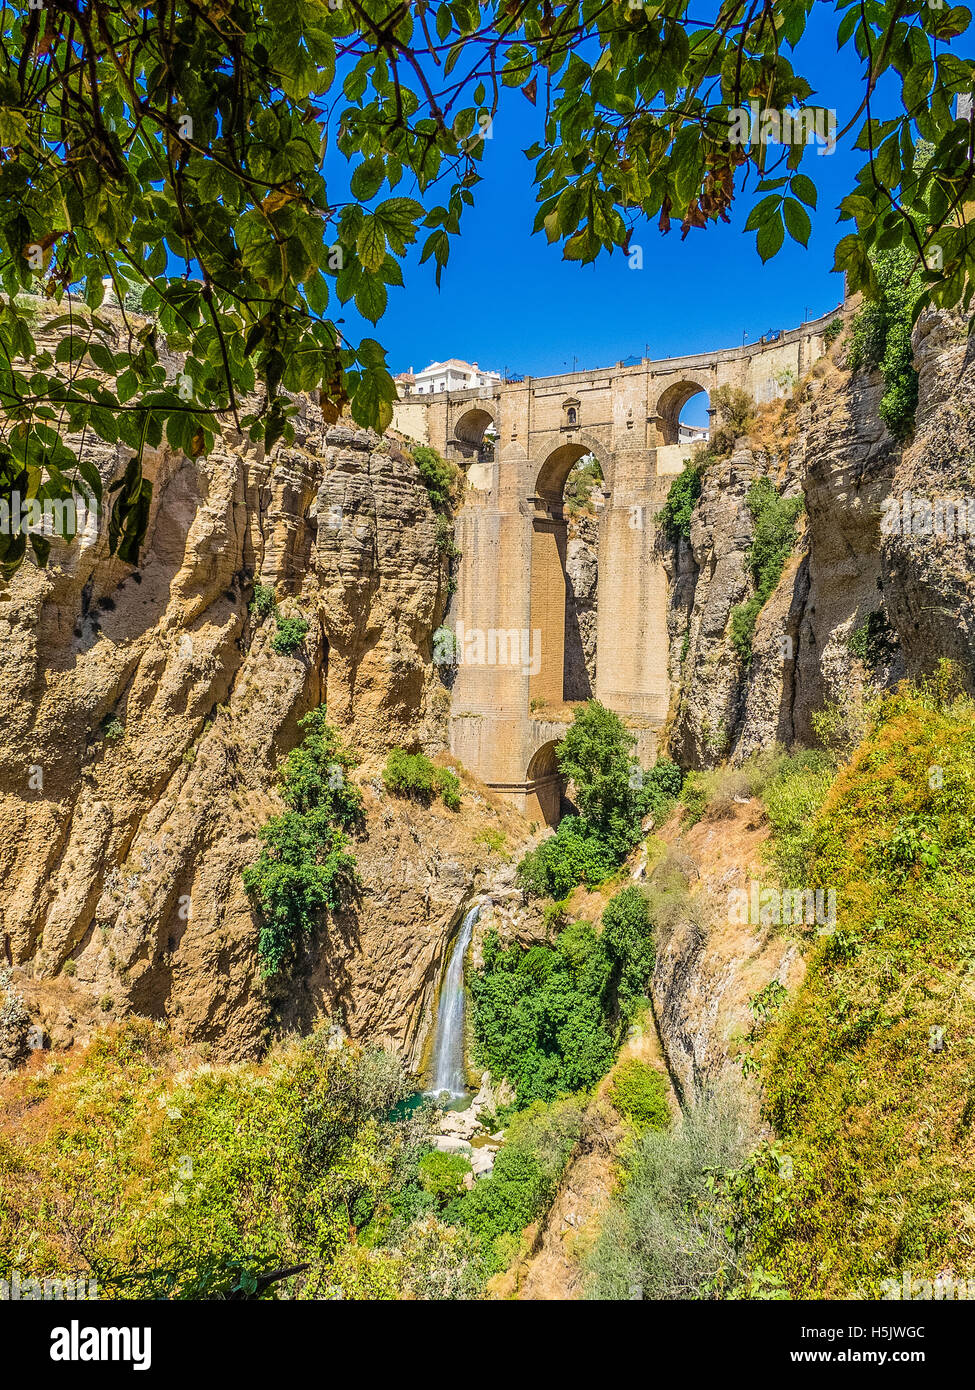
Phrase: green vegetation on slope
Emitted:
{"points": [[613, 794], [881, 337], [305, 866], [551, 1018], [868, 1073], [772, 542], [414, 776]]}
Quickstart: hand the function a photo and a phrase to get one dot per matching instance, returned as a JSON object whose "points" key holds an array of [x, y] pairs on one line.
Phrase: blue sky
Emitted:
{"points": [[507, 299]]}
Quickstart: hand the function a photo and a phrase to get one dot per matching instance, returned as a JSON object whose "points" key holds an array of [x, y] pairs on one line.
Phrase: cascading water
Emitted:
{"points": [[448, 1071]]}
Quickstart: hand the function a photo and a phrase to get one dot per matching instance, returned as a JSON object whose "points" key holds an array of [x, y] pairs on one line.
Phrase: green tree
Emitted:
{"points": [[178, 152], [305, 867], [597, 756]]}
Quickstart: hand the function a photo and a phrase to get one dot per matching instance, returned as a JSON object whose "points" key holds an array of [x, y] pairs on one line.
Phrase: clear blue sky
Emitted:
{"points": [[507, 298]]}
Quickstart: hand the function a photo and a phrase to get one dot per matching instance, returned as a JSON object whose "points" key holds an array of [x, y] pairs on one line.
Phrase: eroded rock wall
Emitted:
{"points": [[143, 716]]}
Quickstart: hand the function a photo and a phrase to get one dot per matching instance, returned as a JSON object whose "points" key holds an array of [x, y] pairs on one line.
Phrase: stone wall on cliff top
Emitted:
{"points": [[143, 716]]}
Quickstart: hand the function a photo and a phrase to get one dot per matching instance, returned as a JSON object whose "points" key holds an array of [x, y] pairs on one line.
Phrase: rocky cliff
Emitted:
{"points": [[144, 713], [910, 592]]}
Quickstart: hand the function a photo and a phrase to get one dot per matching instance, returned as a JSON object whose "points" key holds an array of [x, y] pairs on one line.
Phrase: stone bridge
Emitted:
{"points": [[517, 443]]}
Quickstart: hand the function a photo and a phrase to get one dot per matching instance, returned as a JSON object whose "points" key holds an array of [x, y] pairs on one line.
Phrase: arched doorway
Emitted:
{"points": [[544, 785], [569, 496]]}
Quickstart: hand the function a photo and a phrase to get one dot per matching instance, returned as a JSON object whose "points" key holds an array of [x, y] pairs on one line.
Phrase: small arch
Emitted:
{"points": [[545, 784], [670, 405], [476, 432]]}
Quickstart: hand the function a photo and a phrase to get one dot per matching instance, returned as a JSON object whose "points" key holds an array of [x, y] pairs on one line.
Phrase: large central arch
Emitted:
{"points": [[550, 589]]}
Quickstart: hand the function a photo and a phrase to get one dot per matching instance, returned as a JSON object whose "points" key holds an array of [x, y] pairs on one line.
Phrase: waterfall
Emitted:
{"points": [[448, 1071]]}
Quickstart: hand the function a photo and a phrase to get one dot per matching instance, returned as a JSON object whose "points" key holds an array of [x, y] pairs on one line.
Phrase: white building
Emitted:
{"points": [[692, 434], [452, 375]]}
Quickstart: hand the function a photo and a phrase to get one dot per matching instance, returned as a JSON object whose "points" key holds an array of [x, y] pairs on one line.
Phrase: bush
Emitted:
{"points": [[792, 799], [442, 1175], [290, 635], [291, 1158], [639, 1093], [263, 603], [881, 337], [668, 1235], [527, 1171], [675, 515], [550, 1018], [443, 480], [413, 775], [113, 730], [772, 541], [574, 854], [305, 866], [596, 755]]}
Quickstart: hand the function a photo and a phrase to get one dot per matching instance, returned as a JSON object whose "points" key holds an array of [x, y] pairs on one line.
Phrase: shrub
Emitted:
{"points": [[447, 784], [574, 854], [773, 538], [443, 480], [413, 775], [442, 1175], [290, 635], [113, 730], [881, 337], [792, 798], [639, 1093], [667, 1234], [263, 603], [305, 866], [550, 1018], [682, 498], [596, 755]]}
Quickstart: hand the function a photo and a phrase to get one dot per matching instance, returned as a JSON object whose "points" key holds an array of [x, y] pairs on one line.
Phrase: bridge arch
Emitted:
{"points": [[672, 401], [471, 427], [560, 460], [544, 783]]}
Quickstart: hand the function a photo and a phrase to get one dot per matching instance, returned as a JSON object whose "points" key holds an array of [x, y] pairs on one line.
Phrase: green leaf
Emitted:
{"points": [[770, 237], [802, 187], [371, 243], [797, 221]]}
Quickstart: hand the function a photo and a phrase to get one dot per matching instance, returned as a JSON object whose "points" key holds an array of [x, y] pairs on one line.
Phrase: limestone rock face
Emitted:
{"points": [[928, 566], [581, 569], [143, 715], [708, 578], [851, 567]]}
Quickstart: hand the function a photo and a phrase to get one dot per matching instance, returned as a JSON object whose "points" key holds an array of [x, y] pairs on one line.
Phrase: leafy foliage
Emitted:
{"points": [[675, 515], [773, 538], [596, 755], [639, 1093], [289, 635], [413, 775], [176, 1179], [179, 153], [881, 337], [735, 414], [549, 1018], [441, 479], [668, 1234], [305, 867]]}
